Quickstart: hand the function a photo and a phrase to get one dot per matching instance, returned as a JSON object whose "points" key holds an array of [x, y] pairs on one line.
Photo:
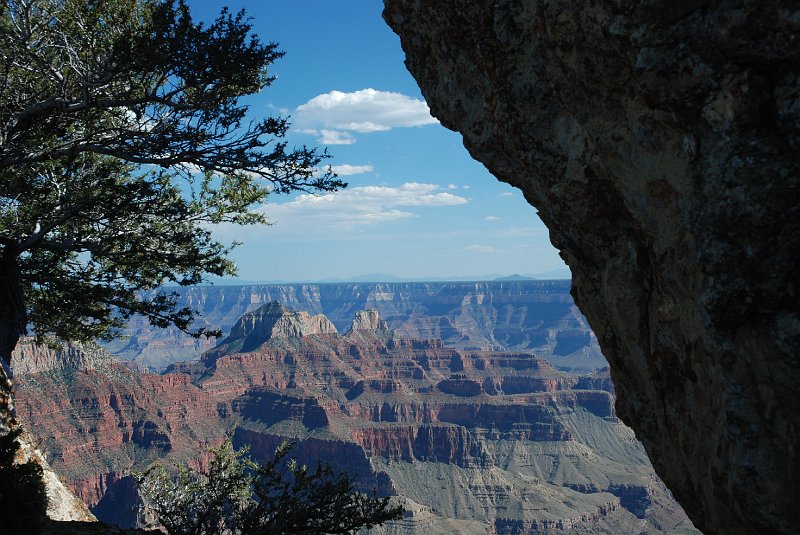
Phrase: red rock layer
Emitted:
{"points": [[358, 401]]}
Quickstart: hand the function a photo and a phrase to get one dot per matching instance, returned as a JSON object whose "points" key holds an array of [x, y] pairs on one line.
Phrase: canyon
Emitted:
{"points": [[469, 441], [534, 316], [660, 144]]}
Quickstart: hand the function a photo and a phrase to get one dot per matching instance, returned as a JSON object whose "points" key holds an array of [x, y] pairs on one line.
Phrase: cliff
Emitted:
{"points": [[475, 440], [29, 358], [272, 321], [369, 320], [535, 316], [659, 143], [66, 513], [62, 503]]}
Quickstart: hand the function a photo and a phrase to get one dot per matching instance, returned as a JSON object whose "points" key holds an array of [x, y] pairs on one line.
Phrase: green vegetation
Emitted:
{"points": [[238, 496], [122, 142]]}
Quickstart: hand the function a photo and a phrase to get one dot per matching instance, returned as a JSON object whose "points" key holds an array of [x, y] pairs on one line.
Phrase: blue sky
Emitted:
{"points": [[418, 206]]}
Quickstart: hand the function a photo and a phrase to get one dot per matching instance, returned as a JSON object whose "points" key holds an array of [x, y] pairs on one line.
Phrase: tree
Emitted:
{"points": [[194, 503], [123, 139], [238, 496]]}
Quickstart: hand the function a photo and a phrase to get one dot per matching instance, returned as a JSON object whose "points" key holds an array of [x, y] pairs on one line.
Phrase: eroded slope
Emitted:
{"points": [[469, 440]]}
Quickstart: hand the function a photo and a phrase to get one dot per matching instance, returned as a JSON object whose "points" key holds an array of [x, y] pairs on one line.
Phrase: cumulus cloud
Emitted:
{"points": [[491, 218], [349, 170], [333, 115], [480, 249], [358, 206], [331, 137], [452, 186]]}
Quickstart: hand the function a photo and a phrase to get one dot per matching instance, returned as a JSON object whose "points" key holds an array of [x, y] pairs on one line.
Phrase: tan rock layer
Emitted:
{"points": [[659, 142]]}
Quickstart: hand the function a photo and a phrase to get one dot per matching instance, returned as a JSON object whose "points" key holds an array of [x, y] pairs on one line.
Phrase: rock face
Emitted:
{"points": [[272, 321], [470, 441], [29, 358], [659, 143], [369, 320], [62, 503], [537, 316]]}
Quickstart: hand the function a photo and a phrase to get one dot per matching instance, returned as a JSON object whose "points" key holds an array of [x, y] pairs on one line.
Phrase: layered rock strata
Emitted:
{"points": [[471, 440], [369, 320], [30, 358], [535, 316], [64, 507], [272, 320], [660, 144]]}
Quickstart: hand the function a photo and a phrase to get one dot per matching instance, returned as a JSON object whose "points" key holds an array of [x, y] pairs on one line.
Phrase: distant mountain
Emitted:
{"points": [[368, 277], [514, 278], [556, 274]]}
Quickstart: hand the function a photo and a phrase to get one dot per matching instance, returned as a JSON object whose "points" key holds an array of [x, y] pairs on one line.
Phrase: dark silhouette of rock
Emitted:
{"points": [[659, 142]]}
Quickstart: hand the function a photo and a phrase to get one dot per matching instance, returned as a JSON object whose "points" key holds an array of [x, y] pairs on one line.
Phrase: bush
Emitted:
{"points": [[238, 496]]}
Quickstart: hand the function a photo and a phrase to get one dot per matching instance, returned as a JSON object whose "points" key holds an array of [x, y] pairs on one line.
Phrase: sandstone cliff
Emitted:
{"points": [[62, 503], [272, 321], [29, 358], [659, 142], [471, 440], [368, 320], [67, 513]]}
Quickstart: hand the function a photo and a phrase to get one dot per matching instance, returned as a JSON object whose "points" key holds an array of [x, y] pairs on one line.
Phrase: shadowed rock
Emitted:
{"points": [[659, 142]]}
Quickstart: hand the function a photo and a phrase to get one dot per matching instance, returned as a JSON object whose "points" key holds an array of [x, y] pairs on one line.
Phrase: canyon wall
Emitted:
{"points": [[536, 316], [659, 143], [469, 441]]}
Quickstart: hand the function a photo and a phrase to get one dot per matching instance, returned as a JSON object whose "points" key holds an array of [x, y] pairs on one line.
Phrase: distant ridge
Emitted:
{"points": [[525, 315], [514, 278], [556, 274]]}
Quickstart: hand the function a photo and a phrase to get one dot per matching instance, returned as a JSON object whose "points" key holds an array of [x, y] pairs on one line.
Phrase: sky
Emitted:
{"points": [[417, 206]]}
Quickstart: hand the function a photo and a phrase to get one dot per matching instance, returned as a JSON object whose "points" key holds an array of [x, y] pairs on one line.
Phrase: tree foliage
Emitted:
{"points": [[238, 496], [123, 139]]}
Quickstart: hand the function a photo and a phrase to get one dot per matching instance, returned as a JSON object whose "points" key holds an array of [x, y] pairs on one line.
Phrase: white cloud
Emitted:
{"points": [[480, 249], [491, 218], [465, 187], [506, 194], [355, 207], [332, 115], [282, 111], [331, 137], [192, 169], [452, 186], [345, 169], [350, 170]]}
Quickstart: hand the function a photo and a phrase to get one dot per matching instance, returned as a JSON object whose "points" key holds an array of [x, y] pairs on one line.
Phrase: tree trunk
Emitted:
{"points": [[13, 321]]}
